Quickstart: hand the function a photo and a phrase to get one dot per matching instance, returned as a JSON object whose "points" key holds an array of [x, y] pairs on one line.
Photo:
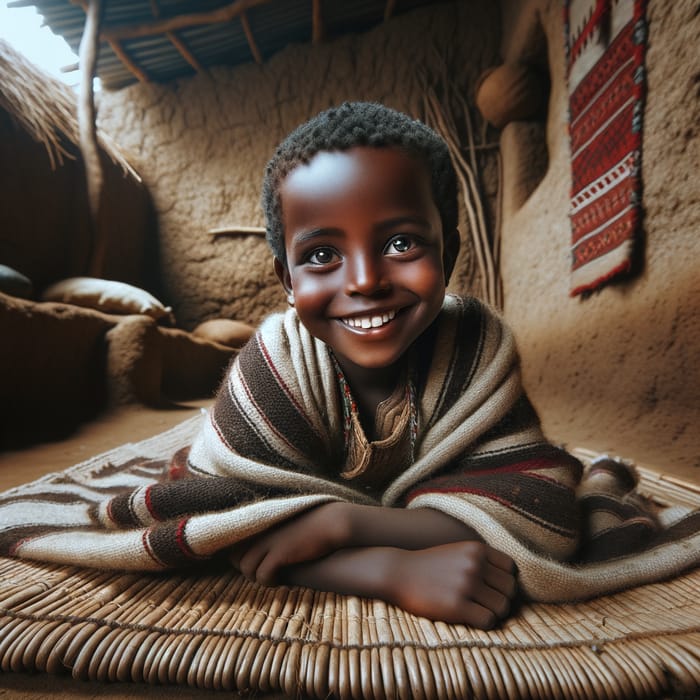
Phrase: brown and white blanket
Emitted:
{"points": [[274, 445]]}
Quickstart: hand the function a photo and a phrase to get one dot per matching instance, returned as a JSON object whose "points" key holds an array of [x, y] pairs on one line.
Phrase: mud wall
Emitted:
{"points": [[618, 371], [201, 143]]}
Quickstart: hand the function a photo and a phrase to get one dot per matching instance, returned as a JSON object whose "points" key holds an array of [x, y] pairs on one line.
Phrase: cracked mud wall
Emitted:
{"points": [[618, 371], [201, 144]]}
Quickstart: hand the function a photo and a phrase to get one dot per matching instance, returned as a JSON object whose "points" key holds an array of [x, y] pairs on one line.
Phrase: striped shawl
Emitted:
{"points": [[273, 446]]}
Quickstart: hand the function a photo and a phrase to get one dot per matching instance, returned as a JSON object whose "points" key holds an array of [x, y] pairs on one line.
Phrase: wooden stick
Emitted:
{"points": [[389, 9], [124, 57], [89, 46], [251, 39], [184, 51], [317, 31], [461, 168], [171, 24], [178, 43], [235, 229]]}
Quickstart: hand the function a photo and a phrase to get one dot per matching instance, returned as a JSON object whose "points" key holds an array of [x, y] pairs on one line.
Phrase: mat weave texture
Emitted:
{"points": [[219, 631], [605, 42], [210, 628]]}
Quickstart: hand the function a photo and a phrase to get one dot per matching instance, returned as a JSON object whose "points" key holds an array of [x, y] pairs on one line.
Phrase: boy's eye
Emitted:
{"points": [[321, 256], [399, 244]]}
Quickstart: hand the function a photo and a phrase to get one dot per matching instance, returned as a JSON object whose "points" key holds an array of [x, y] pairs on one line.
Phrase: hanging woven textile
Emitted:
{"points": [[605, 42]]}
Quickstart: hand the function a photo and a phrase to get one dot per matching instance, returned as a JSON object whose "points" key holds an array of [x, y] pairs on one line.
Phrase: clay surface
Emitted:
{"points": [[201, 143], [618, 371]]}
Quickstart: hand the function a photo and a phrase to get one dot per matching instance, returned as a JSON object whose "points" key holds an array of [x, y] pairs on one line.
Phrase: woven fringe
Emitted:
{"points": [[219, 631]]}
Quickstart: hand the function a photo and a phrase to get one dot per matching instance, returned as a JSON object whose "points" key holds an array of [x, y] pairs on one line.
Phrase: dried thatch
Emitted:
{"points": [[46, 108]]}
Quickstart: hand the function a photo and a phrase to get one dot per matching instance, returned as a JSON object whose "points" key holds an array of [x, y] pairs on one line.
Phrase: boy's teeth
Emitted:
{"points": [[370, 321]]}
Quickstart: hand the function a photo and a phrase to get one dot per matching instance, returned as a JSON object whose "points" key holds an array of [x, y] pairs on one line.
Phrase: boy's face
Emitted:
{"points": [[364, 246]]}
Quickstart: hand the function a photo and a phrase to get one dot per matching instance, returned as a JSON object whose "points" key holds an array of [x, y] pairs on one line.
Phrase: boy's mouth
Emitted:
{"points": [[374, 321]]}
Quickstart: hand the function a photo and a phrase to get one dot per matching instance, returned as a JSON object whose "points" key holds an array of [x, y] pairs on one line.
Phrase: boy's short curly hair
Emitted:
{"points": [[358, 124]]}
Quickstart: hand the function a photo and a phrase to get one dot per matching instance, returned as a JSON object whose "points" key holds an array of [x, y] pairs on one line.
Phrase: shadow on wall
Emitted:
{"points": [[44, 227]]}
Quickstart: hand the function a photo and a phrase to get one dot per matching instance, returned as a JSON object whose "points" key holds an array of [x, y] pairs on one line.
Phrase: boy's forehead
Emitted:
{"points": [[328, 171]]}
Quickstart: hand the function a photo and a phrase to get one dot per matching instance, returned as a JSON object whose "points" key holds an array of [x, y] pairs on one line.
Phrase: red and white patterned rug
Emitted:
{"points": [[606, 41]]}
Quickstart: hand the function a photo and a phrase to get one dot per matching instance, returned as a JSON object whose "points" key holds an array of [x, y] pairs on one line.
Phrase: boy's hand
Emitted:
{"points": [[307, 537], [465, 582]]}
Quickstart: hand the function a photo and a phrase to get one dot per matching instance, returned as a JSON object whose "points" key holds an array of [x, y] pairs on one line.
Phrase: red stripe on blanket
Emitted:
{"points": [[524, 466], [181, 540], [537, 497], [145, 541], [149, 503], [281, 383]]}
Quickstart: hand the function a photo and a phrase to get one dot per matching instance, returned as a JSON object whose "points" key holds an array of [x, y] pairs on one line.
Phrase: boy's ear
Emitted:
{"points": [[282, 274], [450, 251]]}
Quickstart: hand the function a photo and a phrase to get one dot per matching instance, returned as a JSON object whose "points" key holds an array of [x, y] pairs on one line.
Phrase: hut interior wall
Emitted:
{"points": [[618, 371], [202, 143]]}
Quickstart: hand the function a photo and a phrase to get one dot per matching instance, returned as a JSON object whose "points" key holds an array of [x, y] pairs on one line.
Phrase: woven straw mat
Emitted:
{"points": [[214, 629]]}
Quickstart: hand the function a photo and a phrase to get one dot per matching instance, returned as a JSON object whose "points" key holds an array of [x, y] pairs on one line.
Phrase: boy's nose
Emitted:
{"points": [[365, 275]]}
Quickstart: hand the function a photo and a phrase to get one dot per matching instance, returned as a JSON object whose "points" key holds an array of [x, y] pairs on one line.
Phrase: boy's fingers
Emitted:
{"points": [[477, 615], [493, 600], [501, 560], [250, 561], [502, 581]]}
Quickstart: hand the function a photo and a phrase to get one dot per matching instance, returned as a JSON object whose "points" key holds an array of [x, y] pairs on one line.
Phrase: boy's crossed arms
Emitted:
{"points": [[422, 560]]}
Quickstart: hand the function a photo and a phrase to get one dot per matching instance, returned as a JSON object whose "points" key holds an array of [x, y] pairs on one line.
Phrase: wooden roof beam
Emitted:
{"points": [[129, 64], [317, 28], [184, 51], [251, 39], [177, 42], [121, 54], [172, 24]]}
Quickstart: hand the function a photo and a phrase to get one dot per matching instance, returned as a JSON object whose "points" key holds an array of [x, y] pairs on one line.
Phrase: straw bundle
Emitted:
{"points": [[45, 108]]}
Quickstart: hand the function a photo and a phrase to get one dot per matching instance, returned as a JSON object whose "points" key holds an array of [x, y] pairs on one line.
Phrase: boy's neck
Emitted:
{"points": [[369, 388]]}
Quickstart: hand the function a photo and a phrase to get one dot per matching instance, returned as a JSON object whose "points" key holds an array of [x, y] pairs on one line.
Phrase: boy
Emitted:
{"points": [[374, 439], [361, 218]]}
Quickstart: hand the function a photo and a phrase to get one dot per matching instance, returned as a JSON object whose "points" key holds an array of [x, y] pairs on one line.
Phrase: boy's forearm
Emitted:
{"points": [[363, 571], [417, 528], [464, 582]]}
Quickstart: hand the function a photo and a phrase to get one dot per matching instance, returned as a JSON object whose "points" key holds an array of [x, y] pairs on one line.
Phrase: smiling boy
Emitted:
{"points": [[361, 209], [375, 438]]}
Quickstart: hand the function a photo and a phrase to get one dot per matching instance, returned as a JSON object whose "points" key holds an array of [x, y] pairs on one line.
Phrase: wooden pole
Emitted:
{"points": [[87, 126], [178, 43], [122, 55]]}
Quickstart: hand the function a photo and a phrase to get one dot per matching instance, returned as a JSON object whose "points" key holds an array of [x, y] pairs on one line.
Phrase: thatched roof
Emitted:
{"points": [[45, 108], [158, 40]]}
